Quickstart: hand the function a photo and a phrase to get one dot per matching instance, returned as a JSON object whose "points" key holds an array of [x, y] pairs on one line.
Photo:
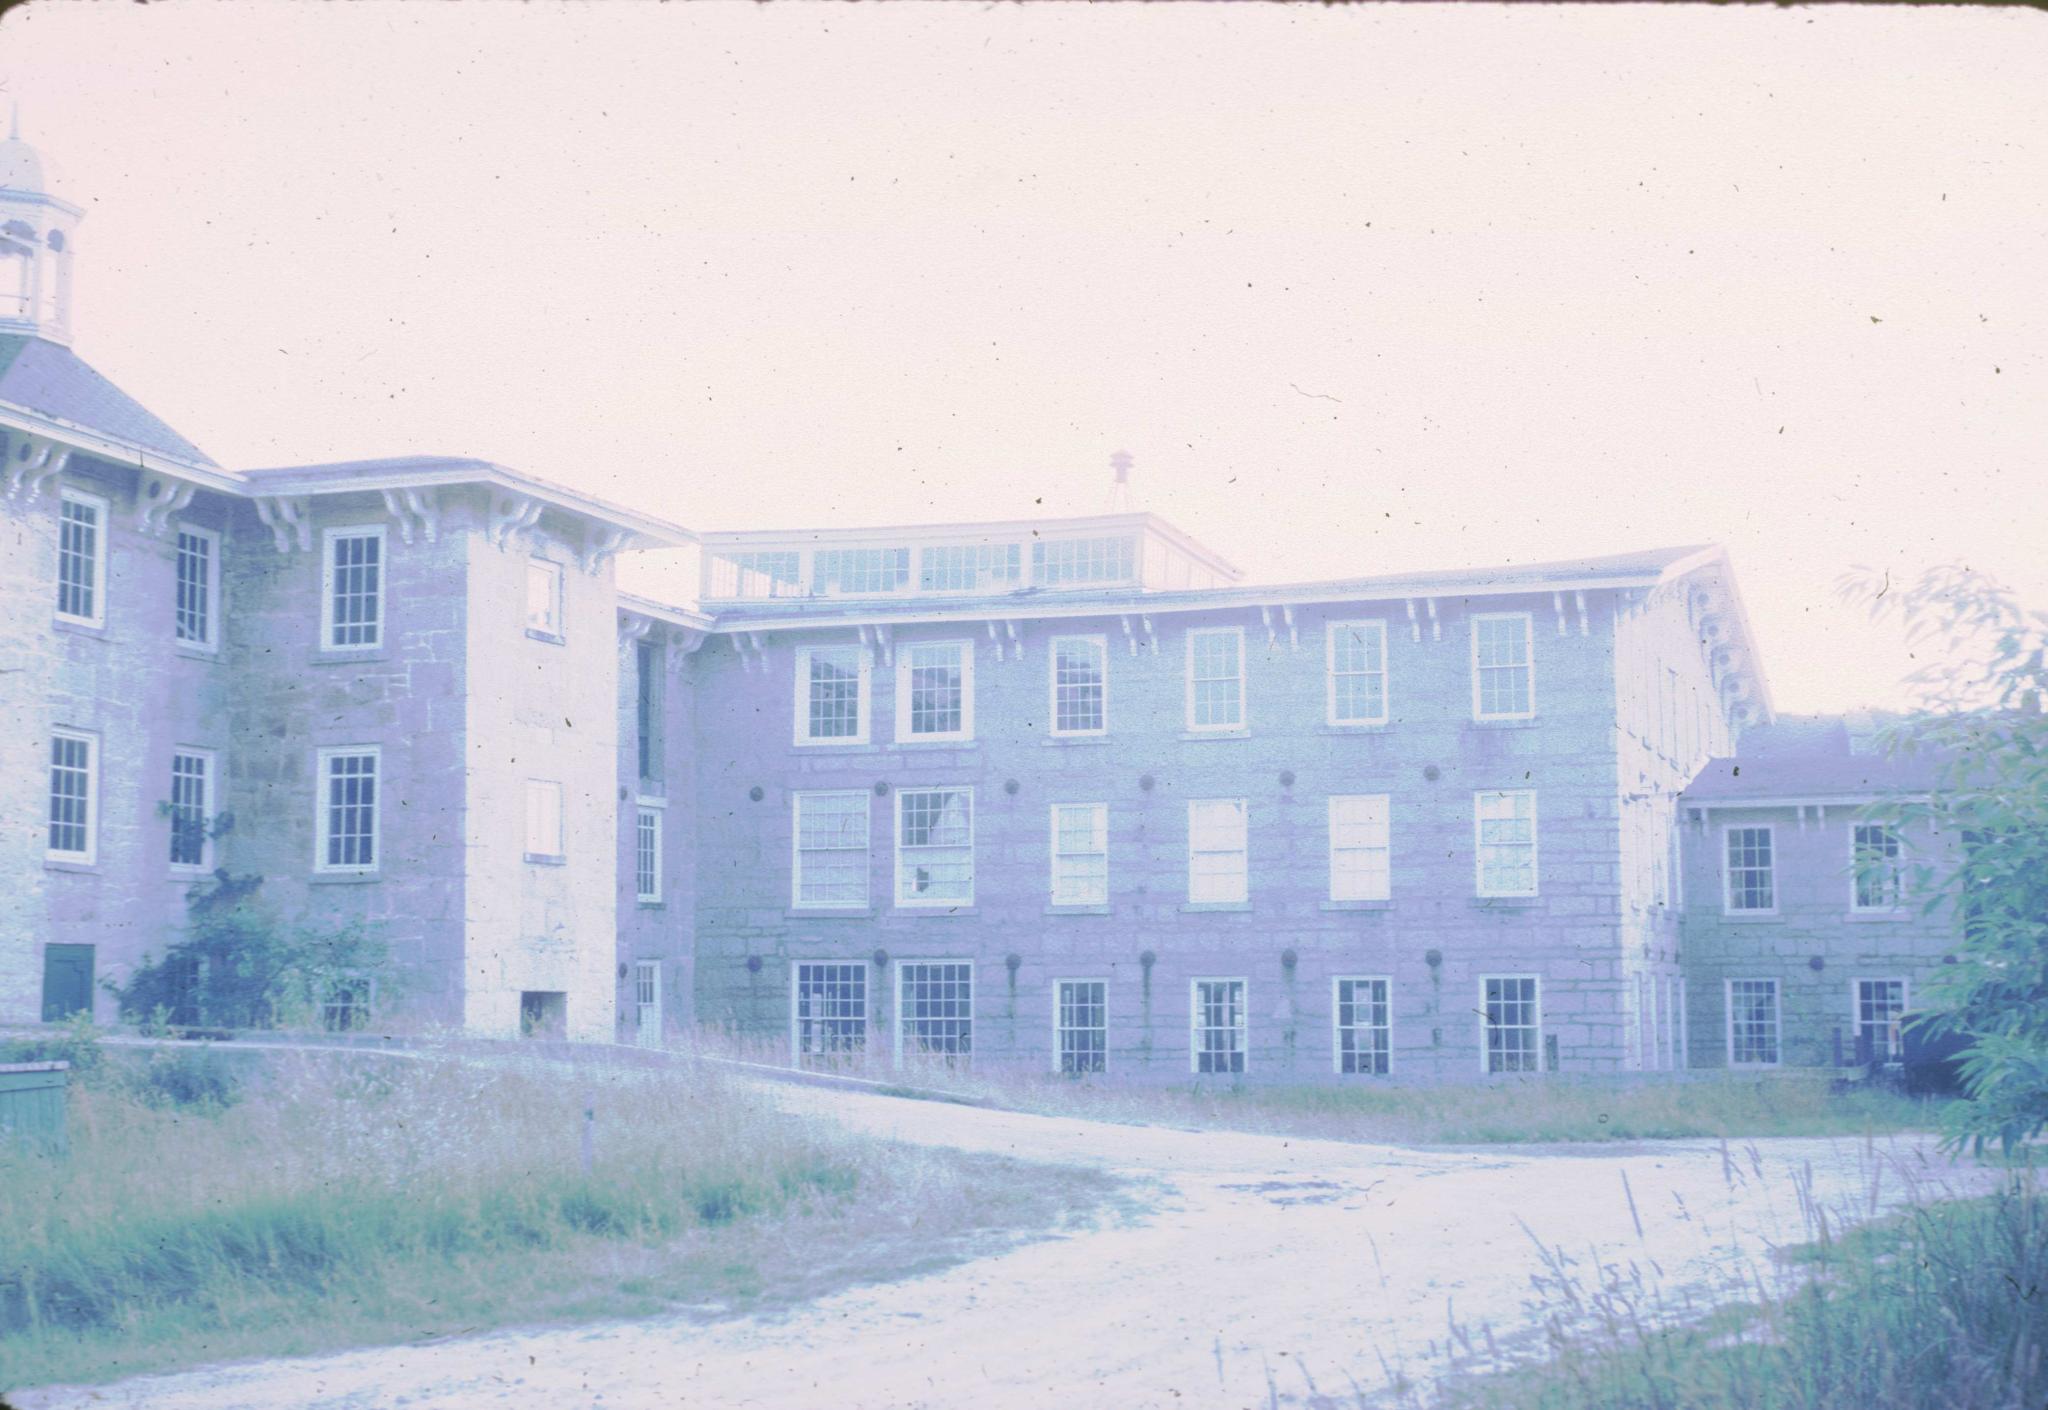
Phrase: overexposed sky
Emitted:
{"points": [[1362, 290]]}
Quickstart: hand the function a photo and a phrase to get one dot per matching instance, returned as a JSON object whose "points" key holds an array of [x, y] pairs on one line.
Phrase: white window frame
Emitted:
{"points": [[539, 791], [1528, 621], [647, 982], [1728, 906], [863, 694], [91, 855], [1856, 1002], [796, 850], [856, 1057], [1060, 1030], [1777, 1019], [1243, 1026], [210, 641], [1101, 811], [1889, 908], [906, 652], [557, 587], [323, 758], [1243, 721], [1337, 982], [1331, 632], [1479, 845], [328, 539], [100, 524], [1535, 1024], [656, 810], [1052, 670], [942, 903], [903, 969], [1386, 805], [1243, 852], [206, 809]]}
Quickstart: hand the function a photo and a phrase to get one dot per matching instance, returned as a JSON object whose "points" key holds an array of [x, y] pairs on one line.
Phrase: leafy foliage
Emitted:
{"points": [[1979, 713], [238, 966]]}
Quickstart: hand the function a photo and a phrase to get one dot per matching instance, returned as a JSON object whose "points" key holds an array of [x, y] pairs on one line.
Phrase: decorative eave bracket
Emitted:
{"points": [[876, 639], [34, 464], [418, 511], [601, 549], [511, 514], [285, 517], [159, 501]]}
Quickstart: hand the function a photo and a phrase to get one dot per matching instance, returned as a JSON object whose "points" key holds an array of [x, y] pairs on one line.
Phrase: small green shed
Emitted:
{"points": [[32, 1102]]}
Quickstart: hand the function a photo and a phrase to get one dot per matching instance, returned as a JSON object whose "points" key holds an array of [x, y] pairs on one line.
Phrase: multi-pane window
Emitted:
{"points": [[347, 836], [935, 847], [544, 597], [1753, 1022], [1080, 854], [352, 599], [935, 1011], [1357, 673], [1880, 875], [831, 850], [1080, 683], [1880, 1010], [1066, 561], [81, 558], [647, 854], [1504, 827], [1216, 1025], [1750, 882], [649, 658], [347, 1002], [1501, 684], [191, 809], [1359, 867], [771, 574], [1081, 1026], [1216, 678], [829, 1009], [543, 818], [831, 695], [1513, 1023], [74, 796], [1364, 1028], [935, 690], [968, 567], [859, 570], [647, 1003], [1217, 871], [194, 613]]}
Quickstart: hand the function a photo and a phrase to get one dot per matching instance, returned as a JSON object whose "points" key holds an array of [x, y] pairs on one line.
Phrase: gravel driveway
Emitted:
{"points": [[1264, 1270]]}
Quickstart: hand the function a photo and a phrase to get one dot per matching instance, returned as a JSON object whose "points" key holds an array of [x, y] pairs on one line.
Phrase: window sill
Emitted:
{"points": [[193, 651], [1750, 917], [96, 630], [1192, 735], [1192, 907], [965, 741], [1878, 917], [544, 859], [934, 912], [1101, 910], [185, 876], [1357, 905], [1354, 727], [343, 878], [1071, 741], [837, 746], [1504, 722], [551, 638], [829, 913], [347, 656], [1506, 903], [60, 864], [646, 905]]}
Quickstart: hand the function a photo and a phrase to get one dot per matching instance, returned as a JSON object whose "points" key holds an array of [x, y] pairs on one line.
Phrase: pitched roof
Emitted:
{"points": [[1811, 757], [49, 380]]}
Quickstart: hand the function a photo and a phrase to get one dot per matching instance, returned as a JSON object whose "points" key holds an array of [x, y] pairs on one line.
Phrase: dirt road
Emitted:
{"points": [[1266, 1270]]}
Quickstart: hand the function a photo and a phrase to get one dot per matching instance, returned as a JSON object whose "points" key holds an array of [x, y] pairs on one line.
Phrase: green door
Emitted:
{"points": [[67, 981]]}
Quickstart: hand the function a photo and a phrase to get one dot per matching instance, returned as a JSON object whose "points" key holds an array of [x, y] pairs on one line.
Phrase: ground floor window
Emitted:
{"points": [[543, 1013], [1081, 1025], [935, 1011], [1880, 1010], [347, 1004], [1753, 1022], [647, 1003], [67, 981], [1217, 1026], [831, 1014], [1508, 1004], [1364, 1032]]}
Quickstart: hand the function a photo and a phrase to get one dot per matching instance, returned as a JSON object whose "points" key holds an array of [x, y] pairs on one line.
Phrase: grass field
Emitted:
{"points": [[342, 1202], [1536, 1109]]}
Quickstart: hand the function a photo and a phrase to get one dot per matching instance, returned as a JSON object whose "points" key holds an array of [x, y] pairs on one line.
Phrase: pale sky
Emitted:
{"points": [[1363, 290]]}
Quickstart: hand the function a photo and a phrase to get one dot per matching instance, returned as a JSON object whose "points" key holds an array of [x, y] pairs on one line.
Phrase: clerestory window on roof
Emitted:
{"points": [[753, 575], [1068, 562], [967, 567], [860, 570]]}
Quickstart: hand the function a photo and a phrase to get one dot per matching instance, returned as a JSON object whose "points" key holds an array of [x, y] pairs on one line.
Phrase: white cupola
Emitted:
{"points": [[36, 234]]}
